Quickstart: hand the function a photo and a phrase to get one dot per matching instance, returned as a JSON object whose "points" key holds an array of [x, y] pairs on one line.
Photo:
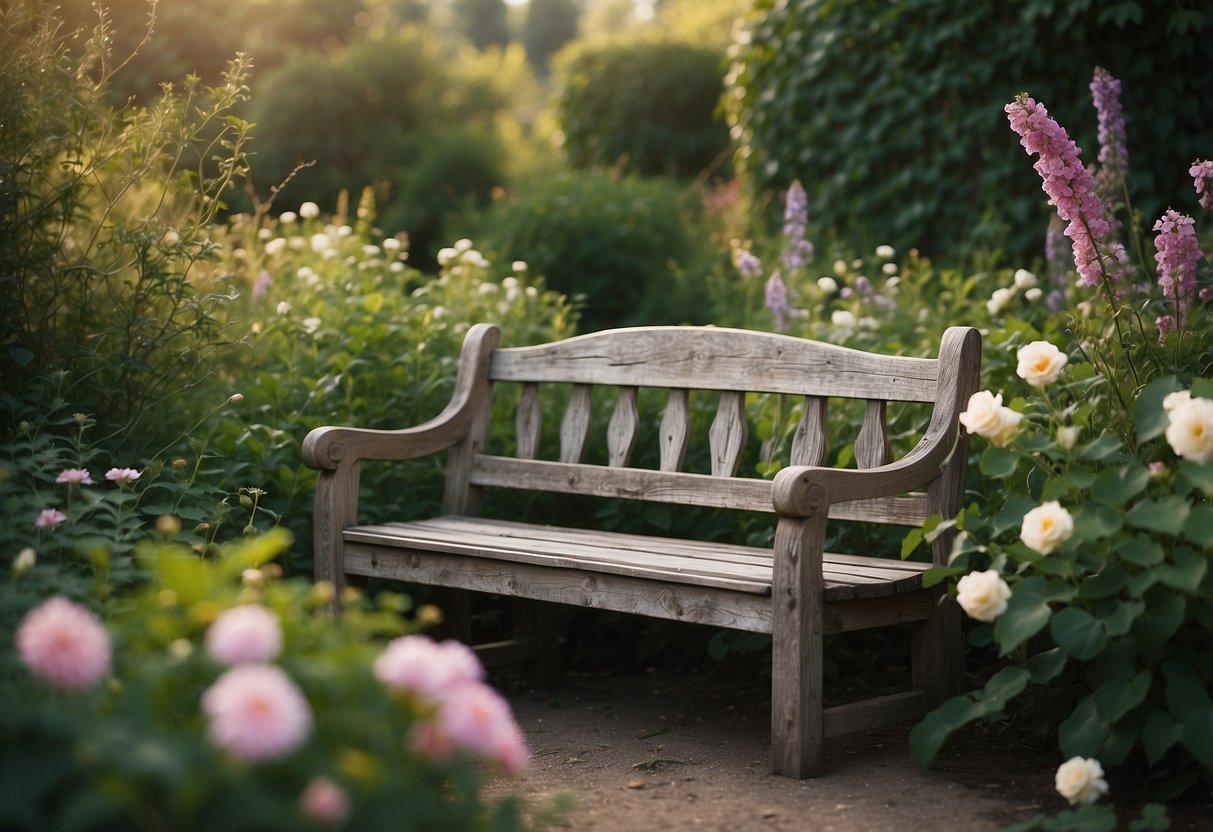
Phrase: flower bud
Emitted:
{"points": [[24, 561], [168, 526]]}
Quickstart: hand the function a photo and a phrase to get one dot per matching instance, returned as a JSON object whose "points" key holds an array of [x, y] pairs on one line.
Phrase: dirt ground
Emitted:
{"points": [[648, 750]]}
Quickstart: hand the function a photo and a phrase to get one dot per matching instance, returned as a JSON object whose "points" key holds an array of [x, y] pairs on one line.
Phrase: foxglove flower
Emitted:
{"points": [[1105, 93], [1177, 255], [777, 299], [797, 251], [1202, 180], [1070, 187]]}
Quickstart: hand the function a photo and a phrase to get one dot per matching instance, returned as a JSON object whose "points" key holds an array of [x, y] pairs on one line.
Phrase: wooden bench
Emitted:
{"points": [[794, 591]]}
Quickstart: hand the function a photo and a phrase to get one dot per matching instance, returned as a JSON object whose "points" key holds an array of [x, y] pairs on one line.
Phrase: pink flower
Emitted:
{"points": [[74, 476], [48, 518], [122, 475], [478, 720], [1165, 324], [1177, 255], [1071, 190], [1202, 180], [427, 668], [244, 635], [324, 801], [256, 712], [64, 645]]}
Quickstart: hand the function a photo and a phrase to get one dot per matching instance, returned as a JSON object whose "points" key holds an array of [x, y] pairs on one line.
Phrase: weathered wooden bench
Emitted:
{"points": [[794, 591]]}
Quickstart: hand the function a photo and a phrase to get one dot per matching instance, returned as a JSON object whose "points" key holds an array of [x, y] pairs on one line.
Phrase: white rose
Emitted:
{"points": [[1080, 780], [827, 284], [1046, 527], [1174, 400], [1033, 295], [843, 319], [889, 269], [1067, 436], [885, 252], [308, 210], [985, 416], [288, 217], [1190, 432], [1040, 363], [1024, 279], [999, 300], [983, 595]]}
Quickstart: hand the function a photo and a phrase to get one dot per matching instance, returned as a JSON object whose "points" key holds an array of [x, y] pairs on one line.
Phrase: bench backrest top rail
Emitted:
{"points": [[718, 358]]}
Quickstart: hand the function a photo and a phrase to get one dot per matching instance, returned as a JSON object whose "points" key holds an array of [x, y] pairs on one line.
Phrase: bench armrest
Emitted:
{"points": [[328, 447]]}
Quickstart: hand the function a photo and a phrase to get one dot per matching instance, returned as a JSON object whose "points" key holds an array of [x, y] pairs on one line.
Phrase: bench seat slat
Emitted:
{"points": [[722, 566]]}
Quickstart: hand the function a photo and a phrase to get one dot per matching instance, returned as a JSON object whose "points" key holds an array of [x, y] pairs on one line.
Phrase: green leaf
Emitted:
{"points": [[928, 736], [1198, 736], [1153, 819], [1004, 686], [1117, 485], [254, 552], [1150, 418], [998, 463], [1076, 632], [1188, 571], [20, 356], [1108, 581], [1083, 733], [1161, 732], [911, 541], [1101, 448], [938, 574], [182, 572], [1164, 613], [1120, 619], [1027, 613], [1010, 516], [1198, 528], [1093, 521], [1185, 695], [1047, 666], [1198, 475], [1116, 697], [1166, 515], [1142, 550]]}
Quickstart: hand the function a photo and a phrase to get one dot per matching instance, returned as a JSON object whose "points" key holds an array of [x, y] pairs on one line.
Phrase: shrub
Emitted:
{"points": [[622, 244], [645, 105], [104, 215], [892, 117]]}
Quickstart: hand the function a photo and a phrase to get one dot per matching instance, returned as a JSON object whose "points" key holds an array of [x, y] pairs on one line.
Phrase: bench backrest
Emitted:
{"points": [[728, 362]]}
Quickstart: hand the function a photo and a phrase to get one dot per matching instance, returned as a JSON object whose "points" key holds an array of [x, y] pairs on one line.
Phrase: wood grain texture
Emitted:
{"points": [[527, 422], [575, 426], [811, 442], [719, 358], [674, 423], [728, 434], [621, 432], [872, 443]]}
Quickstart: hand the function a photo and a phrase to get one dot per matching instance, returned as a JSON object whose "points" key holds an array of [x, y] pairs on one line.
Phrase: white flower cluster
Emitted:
{"points": [[1024, 282], [455, 258]]}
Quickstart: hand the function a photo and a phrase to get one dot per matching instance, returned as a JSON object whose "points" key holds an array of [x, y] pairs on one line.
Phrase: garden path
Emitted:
{"points": [[667, 752]]}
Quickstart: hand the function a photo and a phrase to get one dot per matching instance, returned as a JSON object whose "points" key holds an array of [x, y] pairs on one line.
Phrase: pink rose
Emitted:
{"points": [[64, 645], [424, 667], [324, 801], [256, 712], [48, 518], [244, 635], [74, 476]]}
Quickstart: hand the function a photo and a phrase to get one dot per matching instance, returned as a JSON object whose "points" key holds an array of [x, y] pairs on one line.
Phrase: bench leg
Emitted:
{"points": [[456, 606], [797, 723], [537, 623], [937, 653]]}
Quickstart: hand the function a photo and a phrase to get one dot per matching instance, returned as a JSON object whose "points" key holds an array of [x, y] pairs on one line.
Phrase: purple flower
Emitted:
{"points": [[1202, 179], [748, 265], [262, 284], [777, 299], [1105, 92], [797, 251], [1177, 255], [1070, 187]]}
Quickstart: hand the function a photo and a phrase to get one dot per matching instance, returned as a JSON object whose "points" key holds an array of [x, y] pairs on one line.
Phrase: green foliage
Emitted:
{"points": [[645, 105], [484, 23], [104, 215], [549, 25], [134, 750], [892, 116], [379, 113], [622, 244]]}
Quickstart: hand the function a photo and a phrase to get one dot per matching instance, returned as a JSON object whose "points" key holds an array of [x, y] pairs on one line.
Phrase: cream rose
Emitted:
{"points": [[985, 416], [1080, 780], [983, 595], [1174, 400], [1040, 363], [1190, 432], [1046, 527]]}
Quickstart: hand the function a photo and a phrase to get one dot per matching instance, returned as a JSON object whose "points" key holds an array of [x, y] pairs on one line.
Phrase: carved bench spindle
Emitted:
{"points": [[810, 444], [621, 432], [575, 427], [674, 430], [526, 422], [872, 443], [728, 433]]}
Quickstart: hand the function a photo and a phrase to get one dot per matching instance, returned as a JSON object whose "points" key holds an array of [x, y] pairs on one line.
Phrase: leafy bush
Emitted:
{"points": [[892, 117], [623, 244], [647, 105], [104, 216]]}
